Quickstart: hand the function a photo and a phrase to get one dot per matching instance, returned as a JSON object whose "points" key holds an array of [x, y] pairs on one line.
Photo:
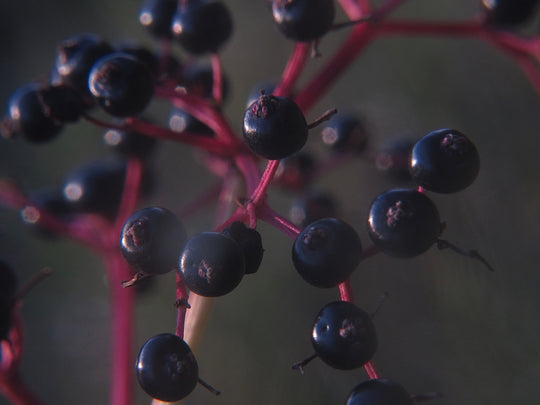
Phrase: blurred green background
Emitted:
{"points": [[448, 324]]}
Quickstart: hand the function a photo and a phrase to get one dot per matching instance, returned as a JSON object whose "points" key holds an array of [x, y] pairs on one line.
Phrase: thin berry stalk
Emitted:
{"points": [[293, 70], [217, 86], [271, 217]]}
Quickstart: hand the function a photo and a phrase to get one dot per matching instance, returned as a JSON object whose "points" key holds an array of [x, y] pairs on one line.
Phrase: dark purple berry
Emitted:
{"points": [[181, 121], [345, 132], [6, 319], [212, 264], [166, 368], [295, 171], [312, 206], [444, 161], [379, 392], [62, 103], [403, 222], [151, 240], [198, 79], [8, 281], [75, 57], [27, 116], [168, 68], [509, 13], [96, 187], [393, 157], [121, 84], [251, 243], [326, 252], [344, 336], [303, 20], [274, 127], [202, 26], [156, 17], [130, 143]]}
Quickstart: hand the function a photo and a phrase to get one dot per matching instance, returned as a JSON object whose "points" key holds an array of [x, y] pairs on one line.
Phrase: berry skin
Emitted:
{"points": [[202, 26], [166, 368], [444, 161], [8, 288], [345, 132], [326, 252], [274, 127], [96, 187], [310, 207], [379, 392], [403, 222], [344, 336], [121, 84], [251, 243], [151, 239], [393, 157], [303, 20], [27, 116], [130, 144], [509, 13], [75, 57], [212, 264], [156, 17]]}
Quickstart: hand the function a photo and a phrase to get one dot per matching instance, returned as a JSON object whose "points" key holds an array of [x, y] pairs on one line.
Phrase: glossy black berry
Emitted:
{"points": [[303, 20], [75, 57], [393, 157], [379, 392], [212, 264], [6, 319], [130, 143], [168, 68], [403, 222], [345, 132], [250, 241], [326, 252], [296, 171], [62, 103], [444, 161], [96, 187], [267, 87], [344, 336], [181, 121], [312, 206], [8, 281], [166, 368], [509, 12], [151, 240], [202, 26], [156, 17], [27, 116], [121, 84], [274, 127]]}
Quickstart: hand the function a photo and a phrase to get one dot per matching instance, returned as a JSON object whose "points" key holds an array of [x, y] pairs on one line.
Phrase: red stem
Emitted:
{"points": [[346, 291], [181, 300], [266, 178], [130, 194], [217, 86], [372, 372], [293, 70], [271, 217]]}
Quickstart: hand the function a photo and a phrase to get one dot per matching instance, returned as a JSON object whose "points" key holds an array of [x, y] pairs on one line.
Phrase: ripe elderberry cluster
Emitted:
{"points": [[110, 206]]}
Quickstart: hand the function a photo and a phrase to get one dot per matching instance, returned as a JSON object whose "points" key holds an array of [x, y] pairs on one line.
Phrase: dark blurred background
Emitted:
{"points": [[449, 325]]}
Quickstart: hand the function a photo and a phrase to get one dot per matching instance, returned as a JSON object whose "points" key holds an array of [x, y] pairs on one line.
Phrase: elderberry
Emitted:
{"points": [[326, 252], [509, 13], [202, 26], [274, 127], [166, 368], [312, 206], [379, 392], [130, 143], [151, 239], [444, 161], [303, 20], [121, 84], [344, 336], [8, 287], [251, 243], [403, 222], [212, 264], [345, 132], [156, 17]]}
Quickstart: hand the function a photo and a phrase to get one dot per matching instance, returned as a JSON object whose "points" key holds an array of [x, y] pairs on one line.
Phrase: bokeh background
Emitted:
{"points": [[448, 325]]}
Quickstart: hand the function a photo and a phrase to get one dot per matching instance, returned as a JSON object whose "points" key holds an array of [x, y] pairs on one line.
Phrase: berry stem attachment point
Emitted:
{"points": [[301, 364], [325, 117], [372, 372]]}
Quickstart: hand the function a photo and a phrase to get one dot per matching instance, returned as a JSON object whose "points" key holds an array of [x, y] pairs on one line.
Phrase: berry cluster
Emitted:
{"points": [[109, 204]]}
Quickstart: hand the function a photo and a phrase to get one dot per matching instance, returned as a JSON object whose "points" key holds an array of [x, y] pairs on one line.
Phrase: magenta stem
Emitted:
{"points": [[130, 194], [250, 170], [271, 217], [217, 72], [122, 307], [371, 370], [182, 301], [293, 70], [346, 291], [268, 175]]}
